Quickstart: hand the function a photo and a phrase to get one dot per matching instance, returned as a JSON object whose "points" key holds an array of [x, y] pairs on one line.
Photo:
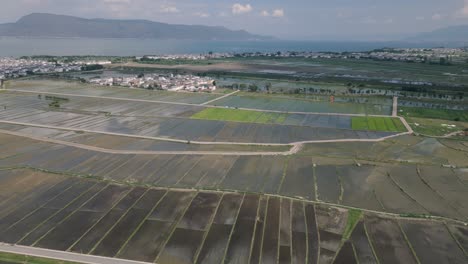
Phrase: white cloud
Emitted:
{"points": [[463, 12], [369, 20], [169, 9], [436, 16], [238, 9], [388, 21], [274, 13], [202, 14], [264, 13], [278, 13]]}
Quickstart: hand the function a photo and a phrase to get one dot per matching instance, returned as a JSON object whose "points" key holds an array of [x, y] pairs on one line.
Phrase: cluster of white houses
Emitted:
{"points": [[168, 82], [14, 68]]}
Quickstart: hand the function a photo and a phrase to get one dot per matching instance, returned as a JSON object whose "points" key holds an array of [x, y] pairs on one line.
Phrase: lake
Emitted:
{"points": [[15, 47]]}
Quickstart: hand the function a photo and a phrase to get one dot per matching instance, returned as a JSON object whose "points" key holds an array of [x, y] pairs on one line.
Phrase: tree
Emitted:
{"points": [[253, 88], [268, 87]]}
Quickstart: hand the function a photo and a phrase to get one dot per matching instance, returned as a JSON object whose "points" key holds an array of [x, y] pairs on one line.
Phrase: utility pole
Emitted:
{"points": [[2, 84]]}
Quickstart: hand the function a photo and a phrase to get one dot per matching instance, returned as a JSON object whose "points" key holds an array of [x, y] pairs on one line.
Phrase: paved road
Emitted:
{"points": [[188, 104], [62, 255], [395, 107]]}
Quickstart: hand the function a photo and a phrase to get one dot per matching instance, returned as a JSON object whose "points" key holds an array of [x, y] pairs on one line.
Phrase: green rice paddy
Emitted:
{"points": [[386, 124], [14, 258], [237, 115]]}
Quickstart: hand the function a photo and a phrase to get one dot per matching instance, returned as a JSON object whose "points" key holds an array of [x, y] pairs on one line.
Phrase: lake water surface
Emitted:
{"points": [[15, 47]]}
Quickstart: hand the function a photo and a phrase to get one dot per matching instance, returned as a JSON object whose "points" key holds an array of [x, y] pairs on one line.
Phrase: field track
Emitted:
{"points": [[62, 255], [295, 146]]}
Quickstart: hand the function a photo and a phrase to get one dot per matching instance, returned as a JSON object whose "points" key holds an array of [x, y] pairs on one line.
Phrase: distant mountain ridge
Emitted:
{"points": [[50, 25], [447, 34]]}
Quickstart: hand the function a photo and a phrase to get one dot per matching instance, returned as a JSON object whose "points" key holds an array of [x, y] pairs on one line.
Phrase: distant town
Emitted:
{"points": [[421, 55], [11, 68]]}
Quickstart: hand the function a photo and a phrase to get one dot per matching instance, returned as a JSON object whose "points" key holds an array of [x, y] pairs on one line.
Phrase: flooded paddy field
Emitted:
{"points": [[67, 185], [189, 226], [173, 123], [75, 88], [406, 189], [297, 105], [110, 142]]}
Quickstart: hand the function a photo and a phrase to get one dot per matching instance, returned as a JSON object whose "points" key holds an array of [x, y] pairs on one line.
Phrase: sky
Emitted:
{"points": [[285, 19]]}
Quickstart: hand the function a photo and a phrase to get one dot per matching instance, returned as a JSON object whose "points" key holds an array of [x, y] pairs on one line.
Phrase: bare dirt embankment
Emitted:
{"points": [[196, 68]]}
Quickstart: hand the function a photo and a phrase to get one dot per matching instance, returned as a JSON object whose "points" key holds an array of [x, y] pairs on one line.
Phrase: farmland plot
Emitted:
{"points": [[299, 179], [392, 198], [181, 247], [258, 174], [111, 244], [328, 184], [217, 238], [205, 165], [409, 180], [388, 242], [44, 195], [31, 185], [433, 243], [346, 255], [362, 246], [356, 190], [331, 223], [63, 235], [241, 238], [45, 86], [313, 243], [446, 184], [186, 240], [258, 236], [285, 232], [271, 231], [460, 234], [297, 105], [61, 215], [16, 231], [206, 227], [88, 240]]}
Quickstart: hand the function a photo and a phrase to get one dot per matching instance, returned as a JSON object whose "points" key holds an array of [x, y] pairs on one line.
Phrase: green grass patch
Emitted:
{"points": [[15, 258], [236, 115], [385, 124], [354, 216], [435, 127], [444, 114]]}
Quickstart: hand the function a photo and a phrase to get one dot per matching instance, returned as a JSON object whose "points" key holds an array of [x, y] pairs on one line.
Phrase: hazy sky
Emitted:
{"points": [[288, 19]]}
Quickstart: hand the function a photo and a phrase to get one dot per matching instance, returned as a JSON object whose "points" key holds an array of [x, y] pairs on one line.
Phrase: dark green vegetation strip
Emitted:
{"points": [[237, 115], [453, 115], [386, 124], [15, 258], [354, 216]]}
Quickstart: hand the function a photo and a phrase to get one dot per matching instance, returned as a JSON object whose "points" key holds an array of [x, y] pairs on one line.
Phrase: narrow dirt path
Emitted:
{"points": [[219, 98]]}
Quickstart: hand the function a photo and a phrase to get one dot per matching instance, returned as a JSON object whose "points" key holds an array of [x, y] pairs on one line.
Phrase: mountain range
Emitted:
{"points": [[50, 25]]}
